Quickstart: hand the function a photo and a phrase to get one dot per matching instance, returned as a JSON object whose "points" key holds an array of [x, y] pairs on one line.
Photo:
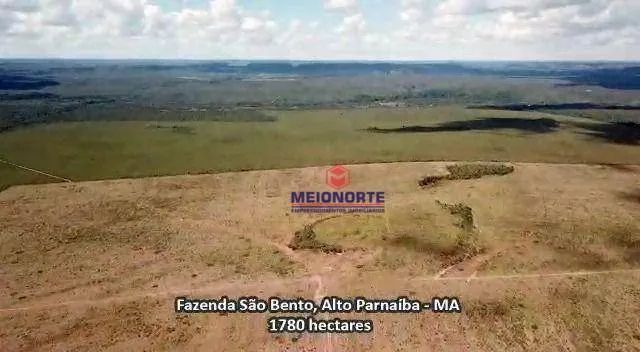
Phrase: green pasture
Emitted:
{"points": [[106, 150]]}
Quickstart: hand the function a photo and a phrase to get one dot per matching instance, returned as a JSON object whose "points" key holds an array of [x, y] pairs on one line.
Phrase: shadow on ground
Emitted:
{"points": [[621, 168], [544, 125], [613, 132], [632, 196]]}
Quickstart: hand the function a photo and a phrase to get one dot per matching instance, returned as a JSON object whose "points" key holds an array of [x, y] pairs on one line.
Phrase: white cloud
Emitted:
{"points": [[158, 23], [341, 5], [352, 25], [412, 10], [225, 14], [258, 30], [457, 7], [552, 22], [419, 29], [57, 13]]}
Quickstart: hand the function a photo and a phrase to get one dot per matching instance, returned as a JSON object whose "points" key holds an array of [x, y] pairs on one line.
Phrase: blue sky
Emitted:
{"points": [[323, 29], [286, 9]]}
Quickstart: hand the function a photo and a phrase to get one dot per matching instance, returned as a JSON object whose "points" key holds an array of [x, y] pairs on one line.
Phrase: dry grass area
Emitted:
{"points": [[96, 265]]}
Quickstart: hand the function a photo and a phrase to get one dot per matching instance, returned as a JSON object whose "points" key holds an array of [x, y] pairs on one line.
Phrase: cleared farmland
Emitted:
{"points": [[546, 262]]}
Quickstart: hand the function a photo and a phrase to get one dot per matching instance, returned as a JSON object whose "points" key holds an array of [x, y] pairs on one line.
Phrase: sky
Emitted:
{"points": [[322, 29]]}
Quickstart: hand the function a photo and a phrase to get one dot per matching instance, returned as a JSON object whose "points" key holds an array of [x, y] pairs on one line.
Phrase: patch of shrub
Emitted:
{"points": [[463, 211], [431, 180], [174, 128], [467, 172], [306, 239], [474, 171], [467, 239]]}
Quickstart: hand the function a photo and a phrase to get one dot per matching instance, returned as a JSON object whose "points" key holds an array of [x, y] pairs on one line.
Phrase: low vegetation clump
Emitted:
{"points": [[306, 239], [431, 180], [467, 172], [473, 171], [467, 240], [463, 211], [175, 128]]}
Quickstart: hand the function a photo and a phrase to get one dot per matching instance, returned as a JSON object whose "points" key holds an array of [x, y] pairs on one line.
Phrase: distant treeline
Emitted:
{"points": [[620, 78], [31, 108], [120, 112], [27, 96], [441, 96], [409, 97], [36, 75], [306, 68], [19, 110], [617, 78], [614, 77], [21, 82]]}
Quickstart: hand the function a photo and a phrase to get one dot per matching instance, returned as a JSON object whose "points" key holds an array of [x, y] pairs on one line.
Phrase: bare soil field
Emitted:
{"points": [[544, 257]]}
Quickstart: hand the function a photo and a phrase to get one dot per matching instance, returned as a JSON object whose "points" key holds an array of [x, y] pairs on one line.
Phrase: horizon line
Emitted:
{"points": [[319, 60]]}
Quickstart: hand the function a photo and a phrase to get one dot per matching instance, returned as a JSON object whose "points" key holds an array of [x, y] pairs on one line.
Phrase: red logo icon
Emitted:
{"points": [[338, 177]]}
